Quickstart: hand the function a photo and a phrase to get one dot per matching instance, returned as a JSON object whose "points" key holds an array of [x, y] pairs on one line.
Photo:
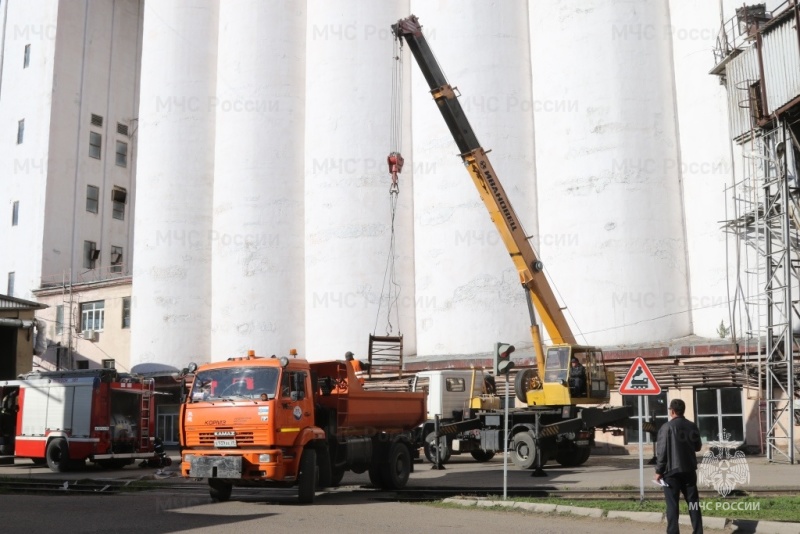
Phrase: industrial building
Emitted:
{"points": [[183, 185]]}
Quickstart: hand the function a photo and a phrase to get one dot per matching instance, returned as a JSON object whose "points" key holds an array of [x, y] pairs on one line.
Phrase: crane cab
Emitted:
{"points": [[571, 374]]}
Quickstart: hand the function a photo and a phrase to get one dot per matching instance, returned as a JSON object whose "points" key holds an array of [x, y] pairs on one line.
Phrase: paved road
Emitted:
{"points": [[162, 511]]}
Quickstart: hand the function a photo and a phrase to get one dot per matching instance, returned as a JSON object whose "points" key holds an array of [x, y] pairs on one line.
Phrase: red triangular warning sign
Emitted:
{"points": [[639, 380]]}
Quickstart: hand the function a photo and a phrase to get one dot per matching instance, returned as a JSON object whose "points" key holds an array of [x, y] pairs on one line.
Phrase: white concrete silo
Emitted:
{"points": [[171, 295], [705, 158], [257, 236], [608, 167], [468, 291], [347, 212]]}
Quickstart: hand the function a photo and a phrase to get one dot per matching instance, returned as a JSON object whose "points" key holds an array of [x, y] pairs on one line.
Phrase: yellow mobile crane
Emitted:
{"points": [[553, 423]]}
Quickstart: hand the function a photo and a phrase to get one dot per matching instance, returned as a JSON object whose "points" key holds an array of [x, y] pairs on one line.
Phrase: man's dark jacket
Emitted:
{"points": [[678, 443]]}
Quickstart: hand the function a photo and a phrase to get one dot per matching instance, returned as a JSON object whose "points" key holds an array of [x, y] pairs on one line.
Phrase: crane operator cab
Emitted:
{"points": [[572, 374]]}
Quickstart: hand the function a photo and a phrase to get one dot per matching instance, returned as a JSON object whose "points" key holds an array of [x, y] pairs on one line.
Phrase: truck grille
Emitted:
{"points": [[242, 438]]}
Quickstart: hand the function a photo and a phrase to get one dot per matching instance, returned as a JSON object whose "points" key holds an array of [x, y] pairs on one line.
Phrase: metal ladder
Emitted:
{"points": [[148, 388]]}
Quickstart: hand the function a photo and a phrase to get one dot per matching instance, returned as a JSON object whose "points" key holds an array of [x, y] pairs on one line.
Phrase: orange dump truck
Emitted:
{"points": [[285, 421]]}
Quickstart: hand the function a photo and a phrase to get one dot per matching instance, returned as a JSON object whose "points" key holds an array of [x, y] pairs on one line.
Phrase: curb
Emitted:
{"points": [[720, 523]]}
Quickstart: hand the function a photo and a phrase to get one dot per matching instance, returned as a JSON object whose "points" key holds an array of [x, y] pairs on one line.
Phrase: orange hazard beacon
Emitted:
{"points": [[288, 422], [639, 380]]}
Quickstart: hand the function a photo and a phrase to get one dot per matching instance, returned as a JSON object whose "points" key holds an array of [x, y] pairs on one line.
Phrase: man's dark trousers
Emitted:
{"points": [[685, 483]]}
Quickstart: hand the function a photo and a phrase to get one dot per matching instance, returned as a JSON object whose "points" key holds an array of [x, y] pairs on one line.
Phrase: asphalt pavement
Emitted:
{"points": [[599, 472]]}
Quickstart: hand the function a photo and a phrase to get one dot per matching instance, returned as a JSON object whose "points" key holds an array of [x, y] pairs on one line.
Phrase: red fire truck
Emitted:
{"points": [[64, 418]]}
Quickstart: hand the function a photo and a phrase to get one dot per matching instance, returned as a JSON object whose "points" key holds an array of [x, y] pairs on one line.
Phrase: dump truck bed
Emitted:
{"points": [[339, 390]]}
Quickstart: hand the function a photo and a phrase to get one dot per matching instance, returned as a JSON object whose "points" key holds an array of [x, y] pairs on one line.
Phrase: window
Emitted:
{"points": [[122, 154], [10, 292], [653, 406], [119, 197], [116, 259], [93, 315], [97, 120], [719, 414], [92, 198], [81, 364], [455, 384], [27, 57], [15, 213], [126, 312], [59, 320], [20, 131], [122, 129], [90, 254], [95, 140]]}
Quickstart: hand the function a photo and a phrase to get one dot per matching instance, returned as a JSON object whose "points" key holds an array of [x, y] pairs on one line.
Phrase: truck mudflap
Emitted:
{"points": [[216, 467]]}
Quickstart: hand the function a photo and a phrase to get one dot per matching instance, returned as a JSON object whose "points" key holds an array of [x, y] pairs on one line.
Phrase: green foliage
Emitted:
{"points": [[723, 330], [780, 508]]}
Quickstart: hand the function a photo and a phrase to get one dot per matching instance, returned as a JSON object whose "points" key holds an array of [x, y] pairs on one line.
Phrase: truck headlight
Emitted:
{"points": [[264, 458]]}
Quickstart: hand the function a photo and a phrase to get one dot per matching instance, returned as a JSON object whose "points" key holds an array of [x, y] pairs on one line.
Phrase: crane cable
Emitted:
{"points": [[390, 288]]}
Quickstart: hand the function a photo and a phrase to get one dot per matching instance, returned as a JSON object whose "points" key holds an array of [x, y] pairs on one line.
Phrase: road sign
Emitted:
{"points": [[639, 380]]}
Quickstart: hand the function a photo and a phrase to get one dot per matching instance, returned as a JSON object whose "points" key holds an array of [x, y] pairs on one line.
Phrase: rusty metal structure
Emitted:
{"points": [[757, 58]]}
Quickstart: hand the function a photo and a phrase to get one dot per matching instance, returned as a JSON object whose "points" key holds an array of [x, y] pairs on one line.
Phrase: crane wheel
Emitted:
{"points": [[524, 453], [525, 381]]}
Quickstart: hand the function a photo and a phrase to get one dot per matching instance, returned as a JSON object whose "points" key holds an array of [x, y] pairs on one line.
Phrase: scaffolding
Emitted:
{"points": [[766, 227]]}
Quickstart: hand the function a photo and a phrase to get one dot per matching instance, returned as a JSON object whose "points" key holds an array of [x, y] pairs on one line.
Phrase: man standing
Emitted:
{"points": [[357, 369], [676, 466]]}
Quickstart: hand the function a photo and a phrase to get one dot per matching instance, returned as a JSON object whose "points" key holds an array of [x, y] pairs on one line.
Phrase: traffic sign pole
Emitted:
{"points": [[641, 454]]}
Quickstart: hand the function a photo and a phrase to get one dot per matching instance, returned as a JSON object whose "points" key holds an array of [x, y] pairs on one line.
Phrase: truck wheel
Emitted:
{"points": [[376, 475], [307, 477], [573, 456], [482, 456], [431, 444], [524, 453], [219, 490], [58, 455], [337, 474], [397, 468], [324, 466]]}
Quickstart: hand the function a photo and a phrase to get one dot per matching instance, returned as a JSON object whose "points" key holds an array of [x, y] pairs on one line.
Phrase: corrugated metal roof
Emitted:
{"points": [[13, 303], [741, 73], [781, 64]]}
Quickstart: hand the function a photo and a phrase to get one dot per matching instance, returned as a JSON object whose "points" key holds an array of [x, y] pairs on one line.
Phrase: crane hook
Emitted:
{"points": [[395, 161]]}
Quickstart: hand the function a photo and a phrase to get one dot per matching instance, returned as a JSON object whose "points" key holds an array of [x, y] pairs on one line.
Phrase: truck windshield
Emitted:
{"points": [[556, 364], [235, 383]]}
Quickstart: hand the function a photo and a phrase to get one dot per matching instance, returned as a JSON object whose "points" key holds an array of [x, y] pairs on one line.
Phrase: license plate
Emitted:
{"points": [[582, 442], [224, 442]]}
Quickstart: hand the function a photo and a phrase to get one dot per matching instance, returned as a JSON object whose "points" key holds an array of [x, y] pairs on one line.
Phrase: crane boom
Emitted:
{"points": [[558, 383], [491, 190]]}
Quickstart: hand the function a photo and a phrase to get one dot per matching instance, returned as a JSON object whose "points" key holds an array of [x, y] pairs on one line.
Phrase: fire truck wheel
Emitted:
{"points": [[481, 455], [58, 455], [397, 468], [431, 446], [307, 477], [524, 453], [219, 490]]}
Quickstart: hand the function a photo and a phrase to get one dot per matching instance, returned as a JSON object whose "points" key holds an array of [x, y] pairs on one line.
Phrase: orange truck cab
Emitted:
{"points": [[288, 422]]}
